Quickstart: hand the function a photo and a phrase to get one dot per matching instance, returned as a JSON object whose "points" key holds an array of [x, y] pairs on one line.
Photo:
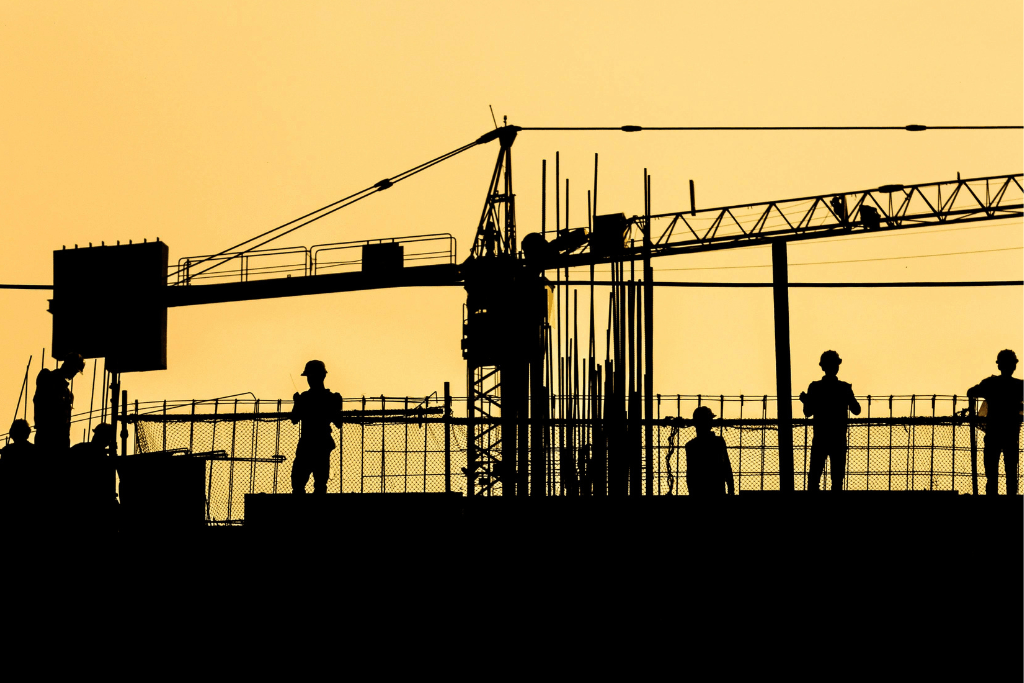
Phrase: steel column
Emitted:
{"points": [[783, 370]]}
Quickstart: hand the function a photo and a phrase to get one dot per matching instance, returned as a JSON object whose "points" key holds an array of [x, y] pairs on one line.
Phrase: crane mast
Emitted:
{"points": [[503, 343]]}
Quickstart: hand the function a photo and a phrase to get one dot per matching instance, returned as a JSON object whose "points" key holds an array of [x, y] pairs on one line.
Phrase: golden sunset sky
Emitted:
{"points": [[204, 123]]}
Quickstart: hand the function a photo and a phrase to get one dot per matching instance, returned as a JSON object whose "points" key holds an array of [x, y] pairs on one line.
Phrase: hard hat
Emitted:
{"points": [[1006, 355], [103, 429], [315, 368], [703, 413], [830, 356], [20, 427]]}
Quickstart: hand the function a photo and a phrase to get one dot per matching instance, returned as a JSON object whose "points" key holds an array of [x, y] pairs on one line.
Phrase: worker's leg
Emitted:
{"points": [[1011, 459], [838, 455], [300, 473], [818, 453], [991, 461], [321, 472]]}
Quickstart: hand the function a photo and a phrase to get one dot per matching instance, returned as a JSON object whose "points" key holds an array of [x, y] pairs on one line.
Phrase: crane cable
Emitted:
{"points": [[322, 212]]}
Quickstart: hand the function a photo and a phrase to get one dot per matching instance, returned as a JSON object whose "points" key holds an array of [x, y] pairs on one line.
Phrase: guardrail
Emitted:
{"points": [[320, 259]]}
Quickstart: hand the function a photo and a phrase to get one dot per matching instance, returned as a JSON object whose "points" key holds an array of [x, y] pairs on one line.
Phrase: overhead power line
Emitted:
{"points": [[861, 260], [810, 285], [914, 127]]}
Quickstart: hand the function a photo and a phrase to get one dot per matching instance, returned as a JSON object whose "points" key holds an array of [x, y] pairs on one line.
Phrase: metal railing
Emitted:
{"points": [[321, 259], [406, 444]]}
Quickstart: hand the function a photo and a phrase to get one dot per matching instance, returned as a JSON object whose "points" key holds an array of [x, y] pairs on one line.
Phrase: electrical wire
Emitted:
{"points": [[863, 260], [909, 233], [637, 129]]}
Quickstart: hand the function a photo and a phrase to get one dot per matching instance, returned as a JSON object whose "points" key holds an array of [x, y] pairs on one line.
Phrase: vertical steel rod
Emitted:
{"points": [[974, 446], [448, 437]]}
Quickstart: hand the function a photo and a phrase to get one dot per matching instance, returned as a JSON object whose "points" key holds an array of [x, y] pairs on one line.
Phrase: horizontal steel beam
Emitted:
{"points": [[418, 276]]}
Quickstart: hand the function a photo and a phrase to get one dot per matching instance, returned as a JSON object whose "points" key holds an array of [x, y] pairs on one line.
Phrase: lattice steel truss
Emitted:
{"points": [[889, 207]]}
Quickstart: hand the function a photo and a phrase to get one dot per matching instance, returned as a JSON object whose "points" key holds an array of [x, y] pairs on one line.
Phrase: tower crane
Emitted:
{"points": [[506, 331]]}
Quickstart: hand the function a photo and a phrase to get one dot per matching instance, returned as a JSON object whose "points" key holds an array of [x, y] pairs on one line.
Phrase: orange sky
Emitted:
{"points": [[205, 123]]}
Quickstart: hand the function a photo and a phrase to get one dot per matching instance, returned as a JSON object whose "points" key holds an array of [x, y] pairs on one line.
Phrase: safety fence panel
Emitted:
{"points": [[253, 452], [379, 448]]}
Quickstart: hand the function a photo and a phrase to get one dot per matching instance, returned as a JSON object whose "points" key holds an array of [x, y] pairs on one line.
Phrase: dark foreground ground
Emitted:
{"points": [[921, 583]]}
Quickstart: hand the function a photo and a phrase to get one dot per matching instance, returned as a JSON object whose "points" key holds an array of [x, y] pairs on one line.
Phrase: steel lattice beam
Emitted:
{"points": [[890, 207]]}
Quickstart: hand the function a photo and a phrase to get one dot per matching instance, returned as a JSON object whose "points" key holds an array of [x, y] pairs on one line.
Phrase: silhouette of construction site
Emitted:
{"points": [[558, 398]]}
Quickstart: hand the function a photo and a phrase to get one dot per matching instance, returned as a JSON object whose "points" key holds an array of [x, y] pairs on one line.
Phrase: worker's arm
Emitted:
{"points": [[853, 403], [296, 411], [337, 405], [977, 390], [807, 403]]}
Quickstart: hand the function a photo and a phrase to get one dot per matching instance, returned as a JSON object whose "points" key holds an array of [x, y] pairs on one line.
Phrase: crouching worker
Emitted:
{"points": [[89, 483], [316, 409], [708, 470]]}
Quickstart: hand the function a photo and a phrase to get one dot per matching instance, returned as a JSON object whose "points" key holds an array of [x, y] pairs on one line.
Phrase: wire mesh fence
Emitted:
{"points": [[394, 445], [382, 446]]}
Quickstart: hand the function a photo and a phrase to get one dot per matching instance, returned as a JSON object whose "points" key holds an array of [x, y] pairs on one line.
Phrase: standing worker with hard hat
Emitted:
{"points": [[827, 401], [1002, 431], [316, 409], [708, 470], [52, 405]]}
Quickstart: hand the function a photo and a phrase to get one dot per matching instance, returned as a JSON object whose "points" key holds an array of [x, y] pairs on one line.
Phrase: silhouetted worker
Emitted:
{"points": [[1004, 394], [316, 409], [16, 461], [708, 470], [89, 479], [827, 401], [52, 405]]}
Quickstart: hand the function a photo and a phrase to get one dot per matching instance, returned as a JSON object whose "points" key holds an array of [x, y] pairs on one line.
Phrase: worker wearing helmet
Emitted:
{"points": [[17, 460], [708, 470], [316, 409], [88, 487], [827, 400], [52, 404], [1002, 431]]}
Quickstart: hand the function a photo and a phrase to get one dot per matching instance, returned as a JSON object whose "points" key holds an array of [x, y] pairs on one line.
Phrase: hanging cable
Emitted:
{"points": [[323, 211]]}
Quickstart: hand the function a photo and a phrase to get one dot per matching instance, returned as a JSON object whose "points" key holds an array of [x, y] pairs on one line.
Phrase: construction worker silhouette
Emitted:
{"points": [[89, 479], [708, 470], [16, 461], [52, 403], [316, 409], [1003, 392], [827, 401]]}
